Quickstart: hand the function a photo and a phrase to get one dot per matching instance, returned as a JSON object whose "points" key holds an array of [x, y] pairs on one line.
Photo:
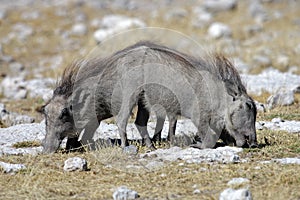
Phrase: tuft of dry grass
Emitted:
{"points": [[25, 144], [44, 177]]}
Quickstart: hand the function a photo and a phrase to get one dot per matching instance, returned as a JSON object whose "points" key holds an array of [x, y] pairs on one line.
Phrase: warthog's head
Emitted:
{"points": [[58, 111], [240, 121], [59, 123]]}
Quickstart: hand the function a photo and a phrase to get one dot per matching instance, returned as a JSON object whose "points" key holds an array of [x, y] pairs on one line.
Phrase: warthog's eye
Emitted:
{"points": [[64, 113], [249, 105]]}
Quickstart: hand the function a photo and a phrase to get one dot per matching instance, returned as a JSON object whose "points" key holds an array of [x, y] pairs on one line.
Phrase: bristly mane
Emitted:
{"points": [[216, 64], [64, 86], [228, 73]]}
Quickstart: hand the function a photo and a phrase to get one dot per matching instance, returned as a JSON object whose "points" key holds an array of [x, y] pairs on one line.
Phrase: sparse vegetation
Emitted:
{"points": [[25, 144], [44, 177]]}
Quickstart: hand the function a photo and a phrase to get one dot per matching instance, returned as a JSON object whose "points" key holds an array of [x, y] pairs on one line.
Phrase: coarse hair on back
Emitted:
{"points": [[217, 64]]}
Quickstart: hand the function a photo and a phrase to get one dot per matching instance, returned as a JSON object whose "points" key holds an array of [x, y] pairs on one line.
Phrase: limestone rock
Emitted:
{"points": [[218, 30], [123, 193], [75, 164], [11, 168], [232, 194]]}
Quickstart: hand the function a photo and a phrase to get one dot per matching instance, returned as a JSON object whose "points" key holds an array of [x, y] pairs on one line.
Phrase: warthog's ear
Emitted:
{"points": [[232, 90]]}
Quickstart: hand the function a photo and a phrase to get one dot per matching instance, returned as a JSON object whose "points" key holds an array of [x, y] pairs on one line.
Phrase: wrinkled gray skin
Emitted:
{"points": [[210, 93]]}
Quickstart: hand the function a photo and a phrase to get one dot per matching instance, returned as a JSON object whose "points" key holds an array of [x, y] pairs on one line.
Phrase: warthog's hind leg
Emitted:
{"points": [[141, 121]]}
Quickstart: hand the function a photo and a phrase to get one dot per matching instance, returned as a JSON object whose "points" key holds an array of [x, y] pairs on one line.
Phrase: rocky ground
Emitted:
{"points": [[39, 38]]}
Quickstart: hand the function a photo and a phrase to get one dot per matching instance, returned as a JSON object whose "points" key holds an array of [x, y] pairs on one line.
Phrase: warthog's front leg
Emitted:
{"points": [[172, 129], [208, 139]]}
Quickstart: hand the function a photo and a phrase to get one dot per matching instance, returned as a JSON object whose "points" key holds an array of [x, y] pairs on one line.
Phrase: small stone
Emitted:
{"points": [[196, 191], [238, 182], [219, 5], [282, 61], [75, 164], [11, 168], [112, 24], [281, 98], [123, 193], [232, 194], [79, 29], [219, 30], [131, 149], [288, 161], [13, 88]]}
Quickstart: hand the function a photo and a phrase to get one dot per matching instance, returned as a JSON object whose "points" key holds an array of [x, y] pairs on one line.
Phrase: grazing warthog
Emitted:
{"points": [[208, 91]]}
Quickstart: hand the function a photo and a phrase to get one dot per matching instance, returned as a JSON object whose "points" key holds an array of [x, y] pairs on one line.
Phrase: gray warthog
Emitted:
{"points": [[208, 91]]}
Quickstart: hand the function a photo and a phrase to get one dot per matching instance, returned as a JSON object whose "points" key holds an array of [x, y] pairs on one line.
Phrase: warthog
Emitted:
{"points": [[208, 91]]}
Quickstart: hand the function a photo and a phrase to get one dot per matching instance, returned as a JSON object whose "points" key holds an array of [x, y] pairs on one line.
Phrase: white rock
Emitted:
{"points": [[131, 149], [288, 160], [289, 126], [281, 98], [12, 118], [102, 34], [219, 5], [75, 164], [196, 191], [79, 29], [237, 182], [113, 24], [40, 87], [219, 30], [123, 193], [193, 155], [21, 133], [13, 87], [18, 88], [232, 194], [271, 81], [11, 168], [282, 61]]}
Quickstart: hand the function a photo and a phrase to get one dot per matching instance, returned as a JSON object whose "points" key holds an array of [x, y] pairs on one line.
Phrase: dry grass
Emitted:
{"points": [[44, 177]]}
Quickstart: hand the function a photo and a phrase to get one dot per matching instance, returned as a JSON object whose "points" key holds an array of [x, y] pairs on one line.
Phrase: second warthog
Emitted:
{"points": [[208, 91]]}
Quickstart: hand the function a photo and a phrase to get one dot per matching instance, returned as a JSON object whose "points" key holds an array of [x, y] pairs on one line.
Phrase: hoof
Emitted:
{"points": [[198, 145]]}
